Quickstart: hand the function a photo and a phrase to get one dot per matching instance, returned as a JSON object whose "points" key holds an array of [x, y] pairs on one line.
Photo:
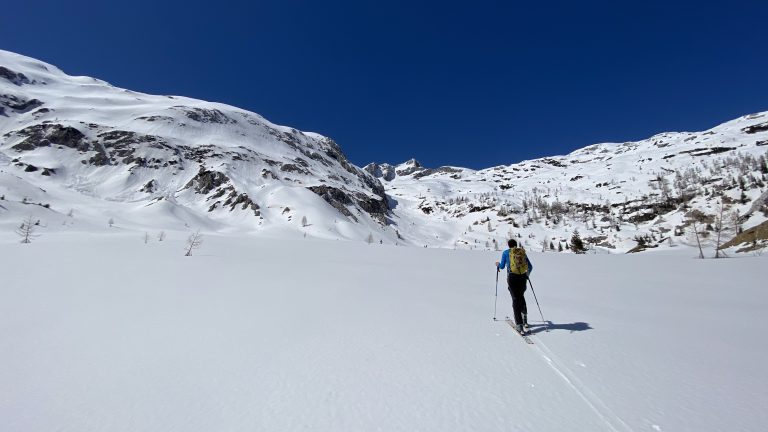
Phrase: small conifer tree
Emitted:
{"points": [[577, 245]]}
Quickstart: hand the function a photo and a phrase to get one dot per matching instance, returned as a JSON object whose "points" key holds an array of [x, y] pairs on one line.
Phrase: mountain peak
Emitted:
{"points": [[76, 145]]}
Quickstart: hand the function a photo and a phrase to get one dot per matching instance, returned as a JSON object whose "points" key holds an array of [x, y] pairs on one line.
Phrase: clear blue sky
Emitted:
{"points": [[467, 83]]}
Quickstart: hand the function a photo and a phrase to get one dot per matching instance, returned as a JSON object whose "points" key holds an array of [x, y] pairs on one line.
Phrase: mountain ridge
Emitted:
{"points": [[170, 162]]}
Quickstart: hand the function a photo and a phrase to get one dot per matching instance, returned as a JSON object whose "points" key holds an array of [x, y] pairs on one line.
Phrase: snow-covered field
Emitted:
{"points": [[105, 333]]}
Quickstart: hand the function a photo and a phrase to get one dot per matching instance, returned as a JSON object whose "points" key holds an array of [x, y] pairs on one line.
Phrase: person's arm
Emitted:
{"points": [[504, 259]]}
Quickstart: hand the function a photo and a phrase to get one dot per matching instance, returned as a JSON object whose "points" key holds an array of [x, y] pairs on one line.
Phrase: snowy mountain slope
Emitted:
{"points": [[76, 152], [104, 327], [611, 193], [239, 337], [79, 143]]}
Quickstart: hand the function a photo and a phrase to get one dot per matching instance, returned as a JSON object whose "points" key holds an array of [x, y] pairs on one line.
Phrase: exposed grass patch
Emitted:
{"points": [[755, 238]]}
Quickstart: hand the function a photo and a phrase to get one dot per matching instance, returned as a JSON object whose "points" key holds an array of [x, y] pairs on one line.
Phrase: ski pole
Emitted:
{"points": [[537, 304], [496, 297]]}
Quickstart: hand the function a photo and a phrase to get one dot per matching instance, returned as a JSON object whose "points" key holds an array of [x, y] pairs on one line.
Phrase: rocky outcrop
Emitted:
{"points": [[337, 198], [47, 134], [293, 168], [149, 187], [409, 168], [760, 127], [381, 171], [221, 191], [377, 208], [334, 152], [205, 181], [243, 200], [203, 115], [18, 105], [121, 145], [445, 170], [16, 78]]}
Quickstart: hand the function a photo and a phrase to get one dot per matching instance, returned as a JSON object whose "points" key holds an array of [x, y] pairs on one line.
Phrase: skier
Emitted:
{"points": [[519, 268]]}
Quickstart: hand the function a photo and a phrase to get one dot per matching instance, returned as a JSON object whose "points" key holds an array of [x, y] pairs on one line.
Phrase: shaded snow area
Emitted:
{"points": [[106, 333]]}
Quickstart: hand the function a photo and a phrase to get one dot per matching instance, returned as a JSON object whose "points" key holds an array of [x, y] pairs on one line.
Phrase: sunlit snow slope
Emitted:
{"points": [[78, 153]]}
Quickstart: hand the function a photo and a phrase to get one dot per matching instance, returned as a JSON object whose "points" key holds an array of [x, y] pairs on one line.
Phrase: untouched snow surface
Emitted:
{"points": [[106, 333]]}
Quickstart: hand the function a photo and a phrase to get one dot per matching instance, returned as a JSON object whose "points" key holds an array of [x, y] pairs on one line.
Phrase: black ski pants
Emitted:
{"points": [[517, 286]]}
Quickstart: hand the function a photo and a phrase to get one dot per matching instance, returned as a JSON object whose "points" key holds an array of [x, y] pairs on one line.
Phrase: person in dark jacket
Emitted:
{"points": [[517, 283]]}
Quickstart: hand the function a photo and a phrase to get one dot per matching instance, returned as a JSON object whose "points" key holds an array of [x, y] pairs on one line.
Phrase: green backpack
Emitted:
{"points": [[517, 262]]}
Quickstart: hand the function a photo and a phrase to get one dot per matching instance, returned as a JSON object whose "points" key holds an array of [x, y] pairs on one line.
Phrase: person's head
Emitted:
{"points": [[512, 243]]}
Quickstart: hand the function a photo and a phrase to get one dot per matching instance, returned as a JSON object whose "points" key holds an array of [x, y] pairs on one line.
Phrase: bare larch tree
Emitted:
{"points": [[27, 230], [194, 242]]}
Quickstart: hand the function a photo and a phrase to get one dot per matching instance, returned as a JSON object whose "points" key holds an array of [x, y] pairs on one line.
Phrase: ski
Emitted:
{"points": [[525, 337]]}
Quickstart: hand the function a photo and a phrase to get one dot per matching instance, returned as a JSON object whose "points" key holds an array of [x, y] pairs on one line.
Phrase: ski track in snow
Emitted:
{"points": [[611, 420]]}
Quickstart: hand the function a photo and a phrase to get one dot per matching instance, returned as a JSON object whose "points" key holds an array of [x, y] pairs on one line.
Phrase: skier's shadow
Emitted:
{"points": [[539, 327]]}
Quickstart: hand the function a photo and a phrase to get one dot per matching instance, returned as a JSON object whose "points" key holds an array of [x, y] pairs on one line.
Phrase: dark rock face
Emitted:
{"points": [[415, 166], [473, 208], [205, 181], [377, 208], [423, 173], [233, 201], [122, 145], [150, 187], [762, 127], [292, 168], [14, 77], [339, 199], [329, 194], [198, 154], [334, 152], [295, 139], [554, 162], [155, 118], [44, 135], [385, 171], [292, 138], [119, 139], [202, 115], [99, 159], [375, 185], [17, 104], [243, 200], [707, 151]]}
